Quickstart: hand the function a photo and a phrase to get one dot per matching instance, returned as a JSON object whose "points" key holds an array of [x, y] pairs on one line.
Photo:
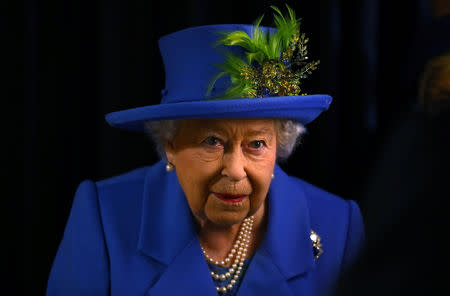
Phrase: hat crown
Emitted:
{"points": [[190, 60]]}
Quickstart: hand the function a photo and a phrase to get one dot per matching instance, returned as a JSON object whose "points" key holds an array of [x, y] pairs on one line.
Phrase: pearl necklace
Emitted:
{"points": [[239, 251]]}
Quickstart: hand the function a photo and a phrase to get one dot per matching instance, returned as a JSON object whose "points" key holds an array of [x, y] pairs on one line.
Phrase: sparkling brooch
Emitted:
{"points": [[317, 246]]}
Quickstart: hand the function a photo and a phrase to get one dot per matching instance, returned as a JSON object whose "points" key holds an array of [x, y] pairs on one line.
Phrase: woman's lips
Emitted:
{"points": [[230, 198]]}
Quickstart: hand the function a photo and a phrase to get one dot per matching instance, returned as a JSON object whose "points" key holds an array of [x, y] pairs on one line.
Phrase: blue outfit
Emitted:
{"points": [[134, 234]]}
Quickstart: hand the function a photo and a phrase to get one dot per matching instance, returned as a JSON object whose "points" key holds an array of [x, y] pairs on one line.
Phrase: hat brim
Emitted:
{"points": [[303, 109]]}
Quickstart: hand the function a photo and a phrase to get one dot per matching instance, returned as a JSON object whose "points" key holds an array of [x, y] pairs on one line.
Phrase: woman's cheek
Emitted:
{"points": [[208, 154]]}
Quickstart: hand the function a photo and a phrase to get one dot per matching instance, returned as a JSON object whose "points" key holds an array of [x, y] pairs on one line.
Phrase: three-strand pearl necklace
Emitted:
{"points": [[239, 252]]}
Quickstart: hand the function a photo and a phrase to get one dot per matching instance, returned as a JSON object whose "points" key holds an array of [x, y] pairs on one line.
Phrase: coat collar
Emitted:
{"points": [[287, 240], [285, 251], [166, 216]]}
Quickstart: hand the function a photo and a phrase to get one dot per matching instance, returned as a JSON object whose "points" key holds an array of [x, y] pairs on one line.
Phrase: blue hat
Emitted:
{"points": [[190, 60]]}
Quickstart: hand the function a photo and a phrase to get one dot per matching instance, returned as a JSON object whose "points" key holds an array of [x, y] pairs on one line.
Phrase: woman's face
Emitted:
{"points": [[224, 166]]}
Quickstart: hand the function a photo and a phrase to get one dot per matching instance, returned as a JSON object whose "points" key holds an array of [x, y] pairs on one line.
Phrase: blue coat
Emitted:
{"points": [[134, 234]]}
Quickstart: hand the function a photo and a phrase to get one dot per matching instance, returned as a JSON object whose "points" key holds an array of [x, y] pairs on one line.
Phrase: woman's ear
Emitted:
{"points": [[170, 152]]}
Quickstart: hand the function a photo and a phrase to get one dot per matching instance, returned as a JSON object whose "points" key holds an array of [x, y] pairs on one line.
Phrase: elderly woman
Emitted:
{"points": [[216, 214]]}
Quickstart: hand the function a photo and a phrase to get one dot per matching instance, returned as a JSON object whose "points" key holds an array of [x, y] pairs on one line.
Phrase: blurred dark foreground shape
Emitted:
{"points": [[407, 221]]}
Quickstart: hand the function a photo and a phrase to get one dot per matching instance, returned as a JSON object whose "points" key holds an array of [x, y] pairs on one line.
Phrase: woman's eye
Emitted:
{"points": [[213, 141], [256, 144]]}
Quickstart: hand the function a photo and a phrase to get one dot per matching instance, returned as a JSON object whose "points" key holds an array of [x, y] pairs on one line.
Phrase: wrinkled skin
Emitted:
{"points": [[224, 156]]}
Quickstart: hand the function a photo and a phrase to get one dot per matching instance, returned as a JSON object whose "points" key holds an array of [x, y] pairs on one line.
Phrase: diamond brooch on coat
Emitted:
{"points": [[316, 244]]}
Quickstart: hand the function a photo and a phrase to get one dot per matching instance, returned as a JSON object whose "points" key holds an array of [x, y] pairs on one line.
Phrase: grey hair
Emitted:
{"points": [[160, 132], [289, 134]]}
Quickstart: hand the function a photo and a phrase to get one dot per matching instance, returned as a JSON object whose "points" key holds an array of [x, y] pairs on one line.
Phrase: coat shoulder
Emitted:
{"points": [[136, 175], [328, 209], [120, 201], [320, 200], [335, 219]]}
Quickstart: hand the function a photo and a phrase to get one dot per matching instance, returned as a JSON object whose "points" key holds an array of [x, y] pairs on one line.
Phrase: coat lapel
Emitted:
{"points": [[284, 253], [264, 278], [288, 240], [187, 274], [166, 219], [286, 250]]}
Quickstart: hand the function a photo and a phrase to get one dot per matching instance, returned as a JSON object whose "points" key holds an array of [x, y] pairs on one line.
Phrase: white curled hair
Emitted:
{"points": [[289, 134]]}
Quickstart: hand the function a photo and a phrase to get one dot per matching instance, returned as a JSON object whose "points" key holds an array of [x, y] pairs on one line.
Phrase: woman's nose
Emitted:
{"points": [[234, 164]]}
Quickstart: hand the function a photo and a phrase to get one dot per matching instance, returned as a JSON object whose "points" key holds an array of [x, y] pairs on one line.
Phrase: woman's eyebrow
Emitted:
{"points": [[266, 132]]}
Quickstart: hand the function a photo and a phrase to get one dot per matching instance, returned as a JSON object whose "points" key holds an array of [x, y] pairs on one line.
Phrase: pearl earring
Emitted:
{"points": [[169, 167], [272, 176]]}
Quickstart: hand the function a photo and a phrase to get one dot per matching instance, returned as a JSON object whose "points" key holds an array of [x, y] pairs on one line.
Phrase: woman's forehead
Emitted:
{"points": [[247, 126]]}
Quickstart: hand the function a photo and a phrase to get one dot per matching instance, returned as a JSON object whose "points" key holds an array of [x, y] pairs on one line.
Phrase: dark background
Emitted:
{"points": [[84, 59]]}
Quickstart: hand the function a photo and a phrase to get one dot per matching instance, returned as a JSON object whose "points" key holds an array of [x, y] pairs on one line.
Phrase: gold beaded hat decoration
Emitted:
{"points": [[274, 64], [233, 71]]}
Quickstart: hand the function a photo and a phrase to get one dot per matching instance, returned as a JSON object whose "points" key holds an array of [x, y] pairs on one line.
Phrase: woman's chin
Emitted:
{"points": [[226, 213], [226, 218]]}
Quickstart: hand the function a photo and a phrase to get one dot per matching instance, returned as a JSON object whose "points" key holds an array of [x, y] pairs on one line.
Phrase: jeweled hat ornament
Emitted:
{"points": [[233, 71]]}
